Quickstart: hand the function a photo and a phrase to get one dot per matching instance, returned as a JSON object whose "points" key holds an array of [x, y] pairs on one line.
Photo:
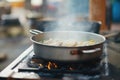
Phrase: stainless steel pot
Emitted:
{"points": [[67, 54]]}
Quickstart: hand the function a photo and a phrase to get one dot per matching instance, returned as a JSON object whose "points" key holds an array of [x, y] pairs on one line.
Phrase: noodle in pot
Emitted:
{"points": [[68, 43]]}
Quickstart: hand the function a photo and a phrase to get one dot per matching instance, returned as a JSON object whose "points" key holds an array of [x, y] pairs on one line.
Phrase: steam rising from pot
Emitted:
{"points": [[67, 19]]}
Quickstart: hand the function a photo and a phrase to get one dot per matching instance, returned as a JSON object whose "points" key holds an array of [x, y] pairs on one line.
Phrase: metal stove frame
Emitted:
{"points": [[14, 66]]}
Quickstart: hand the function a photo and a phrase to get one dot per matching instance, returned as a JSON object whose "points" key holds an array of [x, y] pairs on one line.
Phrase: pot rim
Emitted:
{"points": [[104, 39]]}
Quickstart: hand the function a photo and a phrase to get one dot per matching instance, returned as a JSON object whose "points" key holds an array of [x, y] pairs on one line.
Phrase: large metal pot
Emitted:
{"points": [[67, 54]]}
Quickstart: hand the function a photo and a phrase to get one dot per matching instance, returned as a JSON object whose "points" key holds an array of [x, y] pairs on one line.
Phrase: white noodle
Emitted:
{"points": [[68, 43]]}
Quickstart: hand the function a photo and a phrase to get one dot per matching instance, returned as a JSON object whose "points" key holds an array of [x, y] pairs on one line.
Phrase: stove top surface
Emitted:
{"points": [[20, 66]]}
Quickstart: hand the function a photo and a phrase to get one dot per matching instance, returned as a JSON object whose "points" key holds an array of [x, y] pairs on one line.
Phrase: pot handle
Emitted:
{"points": [[35, 32], [111, 34], [76, 52], [80, 52]]}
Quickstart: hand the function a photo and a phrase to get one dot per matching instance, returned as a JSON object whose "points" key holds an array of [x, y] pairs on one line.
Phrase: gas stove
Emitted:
{"points": [[29, 64]]}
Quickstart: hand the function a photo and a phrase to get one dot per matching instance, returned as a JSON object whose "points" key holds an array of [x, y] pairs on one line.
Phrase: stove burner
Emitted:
{"points": [[36, 62], [92, 67]]}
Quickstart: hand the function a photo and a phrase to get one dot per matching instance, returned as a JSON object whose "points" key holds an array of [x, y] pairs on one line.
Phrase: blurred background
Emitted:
{"points": [[18, 16]]}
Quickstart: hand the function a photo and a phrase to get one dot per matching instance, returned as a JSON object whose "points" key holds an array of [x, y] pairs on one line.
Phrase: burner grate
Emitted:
{"points": [[37, 65]]}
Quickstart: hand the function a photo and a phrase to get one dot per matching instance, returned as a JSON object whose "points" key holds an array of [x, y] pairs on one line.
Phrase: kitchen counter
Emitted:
{"points": [[13, 47]]}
